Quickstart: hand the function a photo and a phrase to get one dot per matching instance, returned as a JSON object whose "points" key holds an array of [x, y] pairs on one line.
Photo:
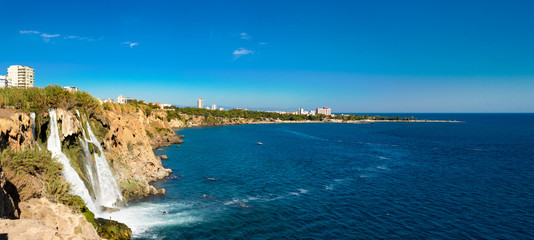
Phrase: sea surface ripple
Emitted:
{"points": [[470, 180]]}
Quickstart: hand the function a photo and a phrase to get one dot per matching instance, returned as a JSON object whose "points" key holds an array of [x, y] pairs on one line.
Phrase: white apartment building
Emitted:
{"points": [[121, 99], [20, 76], [213, 107], [3, 81], [200, 103], [325, 111]]}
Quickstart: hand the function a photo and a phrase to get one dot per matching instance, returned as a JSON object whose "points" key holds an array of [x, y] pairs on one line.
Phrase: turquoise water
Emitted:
{"points": [[470, 180]]}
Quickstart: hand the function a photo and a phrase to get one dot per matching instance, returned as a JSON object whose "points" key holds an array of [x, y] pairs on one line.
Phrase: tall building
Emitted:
{"points": [[213, 107], [325, 111], [200, 102], [3, 81], [20, 76]]}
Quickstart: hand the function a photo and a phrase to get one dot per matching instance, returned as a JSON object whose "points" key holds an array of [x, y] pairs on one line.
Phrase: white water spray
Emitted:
{"points": [[104, 184], [54, 146]]}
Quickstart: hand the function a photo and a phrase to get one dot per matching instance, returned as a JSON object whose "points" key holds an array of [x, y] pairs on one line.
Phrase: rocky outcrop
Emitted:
{"points": [[160, 130], [15, 130], [8, 206], [110, 229], [70, 125], [129, 147], [42, 219]]}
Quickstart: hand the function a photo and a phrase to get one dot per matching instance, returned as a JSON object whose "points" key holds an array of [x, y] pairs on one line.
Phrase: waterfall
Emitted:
{"points": [[54, 146], [105, 186], [32, 116]]}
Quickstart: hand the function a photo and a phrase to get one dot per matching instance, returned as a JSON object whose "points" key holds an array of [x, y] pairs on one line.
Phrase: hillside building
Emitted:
{"points": [[20, 76]]}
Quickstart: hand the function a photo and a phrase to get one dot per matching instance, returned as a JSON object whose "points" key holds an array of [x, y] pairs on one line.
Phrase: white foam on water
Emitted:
{"points": [[301, 190], [382, 167], [329, 187], [384, 158], [144, 216], [233, 201]]}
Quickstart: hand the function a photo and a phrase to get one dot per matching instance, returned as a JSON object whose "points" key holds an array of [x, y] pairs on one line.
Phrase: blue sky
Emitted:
{"points": [[352, 56]]}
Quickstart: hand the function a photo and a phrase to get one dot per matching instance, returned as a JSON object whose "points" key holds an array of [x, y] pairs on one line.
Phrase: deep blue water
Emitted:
{"points": [[470, 180]]}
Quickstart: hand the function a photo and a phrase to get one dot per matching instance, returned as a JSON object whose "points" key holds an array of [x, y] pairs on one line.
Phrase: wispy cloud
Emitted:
{"points": [[82, 38], [131, 44], [46, 35], [242, 51], [29, 32], [263, 43], [245, 36]]}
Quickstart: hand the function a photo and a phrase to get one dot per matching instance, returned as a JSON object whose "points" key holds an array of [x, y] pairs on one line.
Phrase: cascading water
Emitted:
{"points": [[105, 186], [54, 146], [32, 116]]}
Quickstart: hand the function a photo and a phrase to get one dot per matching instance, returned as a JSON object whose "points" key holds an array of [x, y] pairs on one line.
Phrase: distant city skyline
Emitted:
{"points": [[351, 56]]}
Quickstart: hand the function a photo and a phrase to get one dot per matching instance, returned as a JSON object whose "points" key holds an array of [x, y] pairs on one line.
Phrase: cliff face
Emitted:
{"points": [[129, 147], [15, 130]]}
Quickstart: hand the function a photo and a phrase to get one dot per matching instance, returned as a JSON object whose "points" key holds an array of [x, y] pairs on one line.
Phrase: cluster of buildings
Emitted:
{"points": [[124, 100], [200, 104], [324, 111], [18, 76]]}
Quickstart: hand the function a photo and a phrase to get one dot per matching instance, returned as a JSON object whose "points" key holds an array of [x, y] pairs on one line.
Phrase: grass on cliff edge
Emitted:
{"points": [[40, 164], [39, 100]]}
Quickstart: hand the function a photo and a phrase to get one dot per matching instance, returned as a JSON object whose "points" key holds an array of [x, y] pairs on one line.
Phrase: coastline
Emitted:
{"points": [[246, 122]]}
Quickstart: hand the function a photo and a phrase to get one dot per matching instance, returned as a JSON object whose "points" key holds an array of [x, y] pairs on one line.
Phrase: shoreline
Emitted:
{"points": [[310, 121]]}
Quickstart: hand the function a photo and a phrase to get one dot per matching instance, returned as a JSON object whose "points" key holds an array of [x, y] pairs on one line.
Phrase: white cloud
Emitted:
{"points": [[131, 44], [242, 51], [46, 35], [29, 32], [71, 37], [263, 43], [245, 36]]}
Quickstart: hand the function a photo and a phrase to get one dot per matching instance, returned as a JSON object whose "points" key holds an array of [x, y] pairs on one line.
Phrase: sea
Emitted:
{"points": [[468, 180]]}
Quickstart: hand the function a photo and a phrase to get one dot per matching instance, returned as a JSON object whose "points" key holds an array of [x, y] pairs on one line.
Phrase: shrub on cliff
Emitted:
{"points": [[41, 99], [34, 163]]}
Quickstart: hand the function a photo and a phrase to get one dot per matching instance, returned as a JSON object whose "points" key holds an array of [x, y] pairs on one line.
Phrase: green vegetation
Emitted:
{"points": [[40, 164], [110, 229], [239, 113], [39, 100]]}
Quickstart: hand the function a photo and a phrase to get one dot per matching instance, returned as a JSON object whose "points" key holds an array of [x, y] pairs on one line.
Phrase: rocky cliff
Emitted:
{"points": [[129, 147], [15, 130]]}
